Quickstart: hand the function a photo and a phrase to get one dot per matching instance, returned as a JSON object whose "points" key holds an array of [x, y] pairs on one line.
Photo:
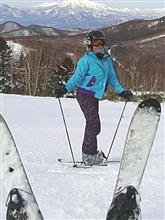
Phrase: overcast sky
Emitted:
{"points": [[112, 3]]}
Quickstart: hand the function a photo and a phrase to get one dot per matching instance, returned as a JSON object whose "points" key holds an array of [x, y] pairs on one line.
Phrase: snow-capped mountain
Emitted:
{"points": [[73, 4], [69, 14], [7, 11]]}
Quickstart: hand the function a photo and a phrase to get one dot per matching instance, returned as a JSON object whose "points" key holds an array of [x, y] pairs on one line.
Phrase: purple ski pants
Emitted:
{"points": [[90, 108]]}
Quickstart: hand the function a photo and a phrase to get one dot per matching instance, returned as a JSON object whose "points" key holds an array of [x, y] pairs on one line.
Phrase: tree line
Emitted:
{"points": [[32, 73]]}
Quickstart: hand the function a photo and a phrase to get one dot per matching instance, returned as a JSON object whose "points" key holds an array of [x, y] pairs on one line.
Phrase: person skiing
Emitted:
{"points": [[94, 72]]}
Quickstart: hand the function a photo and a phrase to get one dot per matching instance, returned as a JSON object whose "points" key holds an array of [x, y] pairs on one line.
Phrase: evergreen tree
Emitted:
{"points": [[61, 74], [5, 75], [17, 75]]}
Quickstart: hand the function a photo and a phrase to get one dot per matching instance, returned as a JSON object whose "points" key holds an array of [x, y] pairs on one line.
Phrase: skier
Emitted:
{"points": [[93, 73]]}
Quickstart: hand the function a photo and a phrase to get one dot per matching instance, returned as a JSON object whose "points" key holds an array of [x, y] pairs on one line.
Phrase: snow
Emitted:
{"points": [[49, 31], [81, 3], [17, 49], [143, 12], [69, 193], [65, 3], [152, 38], [45, 5], [74, 4]]}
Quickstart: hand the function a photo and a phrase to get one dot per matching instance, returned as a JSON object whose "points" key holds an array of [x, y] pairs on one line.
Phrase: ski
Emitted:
{"points": [[125, 205], [77, 164], [21, 202], [140, 136], [81, 164]]}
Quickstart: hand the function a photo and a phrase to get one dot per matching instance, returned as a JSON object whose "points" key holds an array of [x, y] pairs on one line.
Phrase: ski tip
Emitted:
{"points": [[150, 102], [125, 204]]}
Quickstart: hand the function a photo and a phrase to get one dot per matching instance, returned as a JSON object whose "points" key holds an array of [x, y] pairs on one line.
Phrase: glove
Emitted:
{"points": [[60, 91], [126, 94]]}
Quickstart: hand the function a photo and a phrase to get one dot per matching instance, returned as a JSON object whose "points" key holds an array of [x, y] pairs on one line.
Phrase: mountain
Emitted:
{"points": [[7, 11], [9, 27], [135, 30], [12, 29], [70, 14]]}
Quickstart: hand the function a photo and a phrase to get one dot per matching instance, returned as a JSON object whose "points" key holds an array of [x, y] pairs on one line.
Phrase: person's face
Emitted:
{"points": [[98, 44]]}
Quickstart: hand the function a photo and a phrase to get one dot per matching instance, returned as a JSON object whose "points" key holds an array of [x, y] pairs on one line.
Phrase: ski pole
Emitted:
{"points": [[116, 129], [67, 133]]}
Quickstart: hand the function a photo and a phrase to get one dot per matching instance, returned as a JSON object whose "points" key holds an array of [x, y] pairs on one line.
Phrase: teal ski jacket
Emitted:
{"points": [[93, 75]]}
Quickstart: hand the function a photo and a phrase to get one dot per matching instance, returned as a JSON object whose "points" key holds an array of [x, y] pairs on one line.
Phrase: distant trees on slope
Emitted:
{"points": [[5, 73], [33, 73]]}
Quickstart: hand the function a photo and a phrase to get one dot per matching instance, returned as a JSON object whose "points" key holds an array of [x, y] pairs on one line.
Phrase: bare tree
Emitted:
{"points": [[35, 64]]}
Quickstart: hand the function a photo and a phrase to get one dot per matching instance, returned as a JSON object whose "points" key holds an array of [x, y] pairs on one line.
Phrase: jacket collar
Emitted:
{"points": [[91, 53]]}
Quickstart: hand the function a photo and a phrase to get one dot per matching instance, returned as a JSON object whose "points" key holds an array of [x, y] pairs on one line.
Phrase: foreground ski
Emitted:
{"points": [[139, 141], [21, 203]]}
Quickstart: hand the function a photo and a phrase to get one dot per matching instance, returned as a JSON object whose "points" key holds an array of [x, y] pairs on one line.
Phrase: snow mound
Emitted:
{"points": [[17, 49]]}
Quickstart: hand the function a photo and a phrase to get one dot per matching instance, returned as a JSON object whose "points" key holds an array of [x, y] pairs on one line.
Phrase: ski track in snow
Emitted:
{"points": [[69, 193], [151, 38]]}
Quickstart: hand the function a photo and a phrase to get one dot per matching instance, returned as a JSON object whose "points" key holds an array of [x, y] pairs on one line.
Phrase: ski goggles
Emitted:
{"points": [[98, 42]]}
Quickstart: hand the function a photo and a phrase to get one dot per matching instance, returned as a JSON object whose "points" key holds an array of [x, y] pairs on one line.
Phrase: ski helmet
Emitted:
{"points": [[93, 36]]}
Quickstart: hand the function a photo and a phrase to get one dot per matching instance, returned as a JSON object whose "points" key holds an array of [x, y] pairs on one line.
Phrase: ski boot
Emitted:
{"points": [[98, 159]]}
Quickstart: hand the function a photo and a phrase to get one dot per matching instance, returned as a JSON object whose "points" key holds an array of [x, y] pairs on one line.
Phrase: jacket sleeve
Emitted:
{"points": [[113, 81], [78, 75]]}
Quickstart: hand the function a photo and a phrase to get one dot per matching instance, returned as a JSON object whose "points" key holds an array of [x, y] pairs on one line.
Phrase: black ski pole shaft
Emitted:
{"points": [[66, 129], [110, 148]]}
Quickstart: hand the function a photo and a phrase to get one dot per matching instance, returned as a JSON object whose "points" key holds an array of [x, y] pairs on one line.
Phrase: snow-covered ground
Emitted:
{"points": [[69, 193], [17, 49], [152, 38]]}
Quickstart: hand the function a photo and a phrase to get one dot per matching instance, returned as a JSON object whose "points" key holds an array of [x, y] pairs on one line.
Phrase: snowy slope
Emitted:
{"points": [[69, 193], [17, 49]]}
